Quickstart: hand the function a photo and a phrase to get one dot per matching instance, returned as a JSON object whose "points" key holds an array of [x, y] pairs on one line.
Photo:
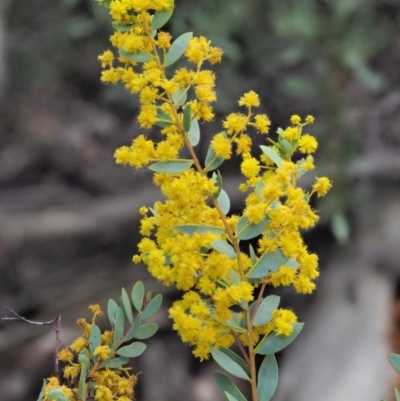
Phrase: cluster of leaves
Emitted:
{"points": [[97, 362]]}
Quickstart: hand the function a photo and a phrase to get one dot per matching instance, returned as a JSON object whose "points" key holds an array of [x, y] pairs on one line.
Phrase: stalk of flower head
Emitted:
{"points": [[190, 239]]}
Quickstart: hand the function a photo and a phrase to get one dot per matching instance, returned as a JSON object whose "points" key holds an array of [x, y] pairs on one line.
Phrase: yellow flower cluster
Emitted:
{"points": [[189, 239]]}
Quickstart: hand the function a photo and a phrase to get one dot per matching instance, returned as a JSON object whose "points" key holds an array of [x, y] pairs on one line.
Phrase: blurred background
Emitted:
{"points": [[69, 215]]}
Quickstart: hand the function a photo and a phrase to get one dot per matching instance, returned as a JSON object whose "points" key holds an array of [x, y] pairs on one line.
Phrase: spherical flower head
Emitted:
{"points": [[110, 76], [103, 393], [308, 144], [262, 123], [164, 40], [215, 55], [65, 355], [103, 352], [249, 99], [222, 146], [79, 344], [106, 58], [322, 186], [96, 310], [295, 119], [235, 123], [291, 134], [250, 167], [309, 119]]}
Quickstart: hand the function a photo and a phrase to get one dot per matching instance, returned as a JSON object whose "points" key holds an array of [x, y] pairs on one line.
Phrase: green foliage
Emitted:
{"points": [[267, 378]]}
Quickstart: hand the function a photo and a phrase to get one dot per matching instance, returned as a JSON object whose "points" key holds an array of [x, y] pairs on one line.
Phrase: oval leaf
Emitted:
{"points": [[179, 97], [264, 311], [394, 360], [245, 231], [132, 350], [152, 307], [160, 18], [272, 155], [224, 202], [94, 338], [82, 383], [163, 119], [171, 166], [123, 27], [133, 330], [268, 263], [127, 305], [218, 181], [138, 295], [190, 229], [112, 309], [114, 363], [146, 331], [186, 117], [194, 132], [226, 385], [267, 378], [84, 360], [228, 364], [230, 397], [274, 343], [212, 161], [243, 364], [119, 327], [178, 48], [139, 57], [223, 247]]}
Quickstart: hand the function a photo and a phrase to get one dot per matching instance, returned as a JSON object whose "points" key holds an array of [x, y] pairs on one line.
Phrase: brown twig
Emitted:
{"points": [[56, 320]]}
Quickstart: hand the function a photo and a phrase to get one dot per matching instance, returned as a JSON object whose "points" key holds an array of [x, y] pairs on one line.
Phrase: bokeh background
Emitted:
{"points": [[68, 214]]}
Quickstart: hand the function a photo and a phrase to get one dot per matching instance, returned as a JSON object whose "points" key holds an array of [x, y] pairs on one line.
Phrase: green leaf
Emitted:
{"points": [[272, 155], [228, 364], [171, 166], [274, 343], [146, 331], [397, 393], [187, 114], [394, 360], [163, 119], [123, 27], [160, 18], [138, 295], [134, 329], [112, 309], [190, 229], [212, 161], [178, 48], [179, 97], [226, 385], [264, 311], [267, 378], [224, 202], [280, 131], [236, 358], [245, 230], [119, 327], [152, 307], [223, 247], [94, 338], [218, 181], [40, 398], [84, 360], [194, 132], [230, 397], [132, 350], [286, 146], [253, 255], [82, 383], [139, 57], [268, 263], [127, 306], [114, 363], [57, 395], [301, 170]]}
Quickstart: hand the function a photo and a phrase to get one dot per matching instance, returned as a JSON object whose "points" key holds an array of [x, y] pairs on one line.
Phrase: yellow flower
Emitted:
{"points": [[164, 40], [249, 99], [295, 119], [96, 310], [250, 167], [235, 123], [103, 352], [106, 58], [308, 144], [65, 355], [322, 186], [309, 119], [222, 146], [262, 123]]}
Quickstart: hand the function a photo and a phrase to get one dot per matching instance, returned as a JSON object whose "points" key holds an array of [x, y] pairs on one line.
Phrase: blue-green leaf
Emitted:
{"points": [[190, 229], [132, 350], [119, 327], [127, 306], [112, 309], [245, 230], [139, 57], [264, 311], [286, 146], [274, 343], [57, 395], [253, 255], [267, 378], [160, 18], [272, 155], [226, 385], [114, 363], [171, 166], [179, 97], [84, 360], [394, 360], [163, 119], [218, 181], [212, 161], [194, 132], [178, 48], [268, 263], [152, 307], [223, 247], [397, 393], [228, 364], [40, 398], [230, 397], [224, 202], [94, 338], [146, 331], [186, 117], [123, 27], [134, 329], [236, 358], [138, 295], [82, 383]]}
